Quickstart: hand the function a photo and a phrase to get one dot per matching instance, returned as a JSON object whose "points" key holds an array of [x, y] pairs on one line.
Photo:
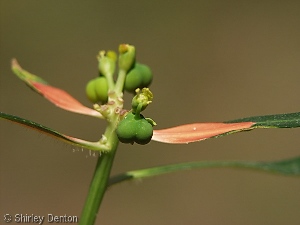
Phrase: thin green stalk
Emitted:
{"points": [[100, 178], [120, 81]]}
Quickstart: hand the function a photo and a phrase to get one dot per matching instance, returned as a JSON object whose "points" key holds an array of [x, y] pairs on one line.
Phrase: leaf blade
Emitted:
{"points": [[286, 120], [46, 130], [287, 167], [201, 131], [198, 132], [58, 97]]}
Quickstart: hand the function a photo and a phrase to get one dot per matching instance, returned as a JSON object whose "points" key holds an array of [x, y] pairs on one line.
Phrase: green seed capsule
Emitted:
{"points": [[91, 91], [133, 80], [146, 74], [138, 77], [145, 132], [126, 129], [134, 129], [101, 89]]}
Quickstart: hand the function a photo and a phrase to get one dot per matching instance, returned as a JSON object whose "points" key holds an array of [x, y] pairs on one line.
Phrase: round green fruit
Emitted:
{"points": [[101, 89], [134, 129], [146, 74], [91, 92], [145, 132], [138, 77], [133, 80], [126, 129]]}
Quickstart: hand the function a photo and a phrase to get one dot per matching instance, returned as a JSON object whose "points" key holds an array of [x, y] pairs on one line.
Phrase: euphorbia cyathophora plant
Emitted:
{"points": [[130, 126]]}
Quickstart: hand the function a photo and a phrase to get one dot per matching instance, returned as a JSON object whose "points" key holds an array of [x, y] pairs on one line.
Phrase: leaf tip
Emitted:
{"points": [[15, 64]]}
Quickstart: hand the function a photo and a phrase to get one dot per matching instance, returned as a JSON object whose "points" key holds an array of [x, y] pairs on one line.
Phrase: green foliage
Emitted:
{"points": [[134, 128], [287, 120], [288, 167], [48, 131]]}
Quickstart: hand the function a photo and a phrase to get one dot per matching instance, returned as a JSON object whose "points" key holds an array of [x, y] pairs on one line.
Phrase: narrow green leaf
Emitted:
{"points": [[284, 167], [46, 130], [288, 120]]}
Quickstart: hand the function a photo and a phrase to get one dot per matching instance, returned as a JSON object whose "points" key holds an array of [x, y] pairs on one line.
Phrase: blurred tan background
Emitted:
{"points": [[212, 61]]}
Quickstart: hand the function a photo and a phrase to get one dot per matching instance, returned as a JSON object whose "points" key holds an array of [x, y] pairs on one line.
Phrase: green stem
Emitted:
{"points": [[120, 81], [110, 81], [138, 111], [99, 182]]}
